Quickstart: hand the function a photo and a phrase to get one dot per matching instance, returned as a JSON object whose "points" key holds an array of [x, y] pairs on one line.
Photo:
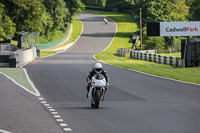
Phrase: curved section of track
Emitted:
{"points": [[133, 103]]}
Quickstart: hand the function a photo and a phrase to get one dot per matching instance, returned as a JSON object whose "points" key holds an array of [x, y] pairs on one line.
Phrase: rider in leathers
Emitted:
{"points": [[98, 69]]}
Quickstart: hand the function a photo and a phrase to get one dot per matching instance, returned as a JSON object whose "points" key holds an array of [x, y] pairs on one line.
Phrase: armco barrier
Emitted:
{"points": [[54, 44], [169, 60]]}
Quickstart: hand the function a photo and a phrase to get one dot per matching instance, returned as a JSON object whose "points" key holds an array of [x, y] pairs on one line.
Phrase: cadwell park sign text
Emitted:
{"points": [[173, 28], [179, 28]]}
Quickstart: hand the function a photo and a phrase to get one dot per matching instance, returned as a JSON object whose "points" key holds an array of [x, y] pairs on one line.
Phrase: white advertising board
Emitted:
{"points": [[180, 28]]}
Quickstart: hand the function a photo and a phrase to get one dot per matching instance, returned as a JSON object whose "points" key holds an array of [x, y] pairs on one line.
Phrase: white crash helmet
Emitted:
{"points": [[98, 68]]}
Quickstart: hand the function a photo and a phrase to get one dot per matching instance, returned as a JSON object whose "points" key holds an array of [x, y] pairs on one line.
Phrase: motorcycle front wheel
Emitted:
{"points": [[97, 99]]}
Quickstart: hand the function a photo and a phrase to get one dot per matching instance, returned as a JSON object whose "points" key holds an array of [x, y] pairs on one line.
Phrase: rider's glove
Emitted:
{"points": [[87, 79]]}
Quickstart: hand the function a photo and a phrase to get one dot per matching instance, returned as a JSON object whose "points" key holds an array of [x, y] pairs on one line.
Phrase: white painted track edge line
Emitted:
{"points": [[136, 70], [57, 116], [54, 113], [63, 125], [47, 105], [3, 131], [41, 98], [67, 129], [31, 83], [21, 86]]}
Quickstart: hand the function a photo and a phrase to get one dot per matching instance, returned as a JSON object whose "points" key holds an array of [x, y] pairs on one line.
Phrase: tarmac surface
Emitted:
{"points": [[21, 112], [134, 103]]}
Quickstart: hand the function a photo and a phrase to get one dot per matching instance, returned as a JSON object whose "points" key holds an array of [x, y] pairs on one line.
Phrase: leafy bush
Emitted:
{"points": [[155, 43]]}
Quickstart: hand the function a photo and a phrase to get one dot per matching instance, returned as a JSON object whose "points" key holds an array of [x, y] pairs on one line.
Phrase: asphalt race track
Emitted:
{"points": [[134, 103], [21, 112]]}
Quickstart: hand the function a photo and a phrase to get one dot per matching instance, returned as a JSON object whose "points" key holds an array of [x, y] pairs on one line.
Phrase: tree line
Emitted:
{"points": [[154, 10], [44, 16]]}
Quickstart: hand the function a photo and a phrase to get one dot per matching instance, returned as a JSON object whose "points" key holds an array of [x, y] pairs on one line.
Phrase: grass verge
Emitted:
{"points": [[18, 75], [172, 54], [44, 53], [126, 26], [77, 28]]}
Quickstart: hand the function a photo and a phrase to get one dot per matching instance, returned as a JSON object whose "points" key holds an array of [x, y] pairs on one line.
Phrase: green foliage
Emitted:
{"points": [[48, 17], [100, 3], [27, 15], [155, 43], [195, 10], [188, 2], [179, 11], [121, 4], [75, 7], [158, 11], [77, 28], [47, 25], [52, 37], [59, 14], [161, 10], [7, 27]]}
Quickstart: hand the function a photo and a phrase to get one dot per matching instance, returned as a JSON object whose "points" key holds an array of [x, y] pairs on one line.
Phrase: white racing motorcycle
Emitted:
{"points": [[97, 90]]}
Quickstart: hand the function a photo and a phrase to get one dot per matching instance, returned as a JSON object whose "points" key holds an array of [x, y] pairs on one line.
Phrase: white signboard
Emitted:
{"points": [[180, 28]]}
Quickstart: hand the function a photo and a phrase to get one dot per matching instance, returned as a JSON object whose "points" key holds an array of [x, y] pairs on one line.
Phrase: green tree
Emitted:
{"points": [[194, 10], [161, 10], [121, 4], [75, 7], [188, 2], [59, 14], [47, 25], [7, 27], [26, 14], [100, 3], [155, 43]]}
